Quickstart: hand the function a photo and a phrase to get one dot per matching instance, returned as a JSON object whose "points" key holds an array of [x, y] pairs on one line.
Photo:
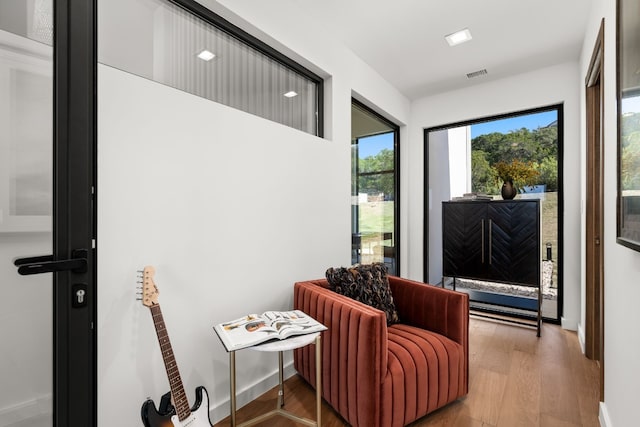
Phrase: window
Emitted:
{"points": [[461, 161], [374, 188], [184, 45]]}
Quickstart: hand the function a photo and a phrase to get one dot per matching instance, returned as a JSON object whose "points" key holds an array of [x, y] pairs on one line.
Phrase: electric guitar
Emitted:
{"points": [[173, 412]]}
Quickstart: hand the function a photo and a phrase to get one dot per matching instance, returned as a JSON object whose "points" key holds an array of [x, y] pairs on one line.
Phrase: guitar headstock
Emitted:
{"points": [[149, 289]]}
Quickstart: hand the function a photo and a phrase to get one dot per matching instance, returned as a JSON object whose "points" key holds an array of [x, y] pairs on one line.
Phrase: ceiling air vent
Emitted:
{"points": [[477, 74]]}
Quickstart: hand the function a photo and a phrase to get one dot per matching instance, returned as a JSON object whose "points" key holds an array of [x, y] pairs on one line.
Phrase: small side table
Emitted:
{"points": [[280, 346]]}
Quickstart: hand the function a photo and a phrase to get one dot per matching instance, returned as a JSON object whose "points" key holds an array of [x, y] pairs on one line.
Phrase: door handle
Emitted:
{"points": [[482, 238], [490, 241], [46, 263]]}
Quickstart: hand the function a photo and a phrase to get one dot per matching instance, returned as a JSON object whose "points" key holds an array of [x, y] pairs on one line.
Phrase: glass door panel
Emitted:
{"points": [[375, 200], [26, 112]]}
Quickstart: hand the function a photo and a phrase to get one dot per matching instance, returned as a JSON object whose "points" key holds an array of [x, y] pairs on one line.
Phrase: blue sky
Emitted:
{"points": [[530, 121], [372, 145], [631, 105]]}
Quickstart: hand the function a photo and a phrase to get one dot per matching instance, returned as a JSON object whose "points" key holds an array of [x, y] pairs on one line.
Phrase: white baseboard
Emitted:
{"points": [[26, 410], [569, 324], [222, 409], [603, 416], [581, 338]]}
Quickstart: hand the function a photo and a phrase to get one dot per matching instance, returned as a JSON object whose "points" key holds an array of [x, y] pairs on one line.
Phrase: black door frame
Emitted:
{"points": [[74, 227]]}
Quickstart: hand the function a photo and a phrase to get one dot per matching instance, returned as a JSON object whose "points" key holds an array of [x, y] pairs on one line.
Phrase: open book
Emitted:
{"points": [[255, 329]]}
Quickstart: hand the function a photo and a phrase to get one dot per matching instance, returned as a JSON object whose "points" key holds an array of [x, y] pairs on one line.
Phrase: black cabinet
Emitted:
{"points": [[496, 241]]}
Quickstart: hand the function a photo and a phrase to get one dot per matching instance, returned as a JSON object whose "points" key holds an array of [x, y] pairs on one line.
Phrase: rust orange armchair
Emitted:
{"points": [[376, 375]]}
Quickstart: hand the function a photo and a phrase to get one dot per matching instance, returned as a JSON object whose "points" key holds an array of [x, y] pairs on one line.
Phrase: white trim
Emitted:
{"points": [[569, 324], [221, 409], [23, 411], [581, 338], [603, 416]]}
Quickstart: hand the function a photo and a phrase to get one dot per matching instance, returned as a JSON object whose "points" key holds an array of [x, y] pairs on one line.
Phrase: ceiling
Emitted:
{"points": [[403, 40]]}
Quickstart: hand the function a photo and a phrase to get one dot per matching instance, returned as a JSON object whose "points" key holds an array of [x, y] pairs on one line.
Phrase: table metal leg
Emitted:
{"points": [[280, 404], [232, 380], [280, 381], [318, 381]]}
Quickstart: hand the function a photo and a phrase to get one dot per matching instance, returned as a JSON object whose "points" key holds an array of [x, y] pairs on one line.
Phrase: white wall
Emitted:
{"points": [[26, 331], [232, 209], [621, 265], [438, 190], [459, 161], [449, 155], [548, 86]]}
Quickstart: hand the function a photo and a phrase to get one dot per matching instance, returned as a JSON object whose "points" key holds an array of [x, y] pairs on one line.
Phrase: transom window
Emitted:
{"points": [[182, 44]]}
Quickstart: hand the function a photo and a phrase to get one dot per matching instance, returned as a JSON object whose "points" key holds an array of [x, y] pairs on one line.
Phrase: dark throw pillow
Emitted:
{"points": [[367, 283]]}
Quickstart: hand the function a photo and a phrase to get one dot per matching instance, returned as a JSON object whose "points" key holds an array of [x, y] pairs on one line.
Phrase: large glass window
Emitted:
{"points": [[374, 188], [468, 160], [192, 49]]}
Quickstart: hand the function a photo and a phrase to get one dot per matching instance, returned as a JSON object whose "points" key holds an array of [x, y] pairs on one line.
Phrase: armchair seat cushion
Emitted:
{"points": [[423, 374]]}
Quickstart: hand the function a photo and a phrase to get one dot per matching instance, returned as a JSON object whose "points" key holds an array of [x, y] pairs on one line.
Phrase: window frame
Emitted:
{"points": [[224, 25], [396, 175]]}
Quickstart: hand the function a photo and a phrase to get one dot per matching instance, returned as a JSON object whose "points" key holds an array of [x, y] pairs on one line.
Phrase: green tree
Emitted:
{"points": [[383, 161], [539, 146], [378, 174], [482, 174], [548, 170]]}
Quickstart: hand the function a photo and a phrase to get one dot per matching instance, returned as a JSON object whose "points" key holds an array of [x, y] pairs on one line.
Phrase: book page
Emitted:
{"points": [[255, 329]]}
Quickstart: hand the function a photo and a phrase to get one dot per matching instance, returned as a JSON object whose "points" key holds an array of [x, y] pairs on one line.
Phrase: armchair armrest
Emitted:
{"points": [[428, 307], [354, 350]]}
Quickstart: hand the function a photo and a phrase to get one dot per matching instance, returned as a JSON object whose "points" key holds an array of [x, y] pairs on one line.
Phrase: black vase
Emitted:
{"points": [[508, 191]]}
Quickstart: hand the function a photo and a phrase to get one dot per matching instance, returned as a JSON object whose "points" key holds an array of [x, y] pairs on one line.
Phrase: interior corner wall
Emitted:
{"points": [[438, 190], [543, 87], [621, 265], [231, 209], [459, 164]]}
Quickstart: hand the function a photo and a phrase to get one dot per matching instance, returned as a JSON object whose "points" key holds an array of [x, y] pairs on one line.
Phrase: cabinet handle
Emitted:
{"points": [[490, 240], [482, 237]]}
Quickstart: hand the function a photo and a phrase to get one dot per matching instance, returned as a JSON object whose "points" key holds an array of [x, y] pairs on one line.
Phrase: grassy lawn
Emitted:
{"points": [[376, 217]]}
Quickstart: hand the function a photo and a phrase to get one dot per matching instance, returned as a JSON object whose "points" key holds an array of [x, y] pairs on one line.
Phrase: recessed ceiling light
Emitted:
{"points": [[205, 55], [291, 94], [458, 37]]}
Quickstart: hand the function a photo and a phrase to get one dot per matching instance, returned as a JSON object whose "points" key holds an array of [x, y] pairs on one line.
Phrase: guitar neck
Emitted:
{"points": [[180, 401]]}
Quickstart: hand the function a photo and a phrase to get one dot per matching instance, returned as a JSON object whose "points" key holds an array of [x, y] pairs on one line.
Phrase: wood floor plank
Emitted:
{"points": [[521, 403], [559, 397], [486, 392], [516, 379], [549, 421]]}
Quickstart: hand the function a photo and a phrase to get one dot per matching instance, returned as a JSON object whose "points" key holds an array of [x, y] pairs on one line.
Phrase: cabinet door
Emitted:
{"points": [[513, 242], [463, 227]]}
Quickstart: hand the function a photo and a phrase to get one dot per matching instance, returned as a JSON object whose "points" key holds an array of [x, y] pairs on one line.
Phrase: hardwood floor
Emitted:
{"points": [[516, 379]]}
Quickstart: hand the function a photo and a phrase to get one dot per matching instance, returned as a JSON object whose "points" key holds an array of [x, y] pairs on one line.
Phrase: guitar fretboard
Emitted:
{"points": [[180, 401]]}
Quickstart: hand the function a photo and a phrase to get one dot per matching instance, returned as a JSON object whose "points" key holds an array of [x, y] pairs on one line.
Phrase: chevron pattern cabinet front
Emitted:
{"points": [[492, 240]]}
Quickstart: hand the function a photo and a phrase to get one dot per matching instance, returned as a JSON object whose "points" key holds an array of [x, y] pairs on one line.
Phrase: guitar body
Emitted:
{"points": [[166, 415]]}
